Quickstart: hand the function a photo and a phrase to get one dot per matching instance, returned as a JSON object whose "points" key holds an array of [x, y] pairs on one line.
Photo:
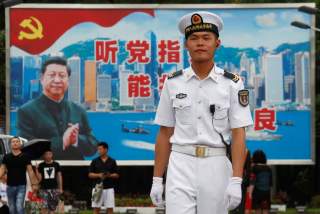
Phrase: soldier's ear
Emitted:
{"points": [[218, 43]]}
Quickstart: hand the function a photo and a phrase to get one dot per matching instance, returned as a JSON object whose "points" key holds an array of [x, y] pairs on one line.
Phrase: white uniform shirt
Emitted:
{"points": [[185, 105]]}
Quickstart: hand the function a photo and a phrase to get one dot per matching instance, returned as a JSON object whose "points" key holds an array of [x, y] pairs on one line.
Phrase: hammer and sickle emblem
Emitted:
{"points": [[35, 31]]}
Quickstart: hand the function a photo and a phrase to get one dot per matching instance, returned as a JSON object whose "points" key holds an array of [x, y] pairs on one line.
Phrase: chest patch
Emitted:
{"points": [[181, 96]]}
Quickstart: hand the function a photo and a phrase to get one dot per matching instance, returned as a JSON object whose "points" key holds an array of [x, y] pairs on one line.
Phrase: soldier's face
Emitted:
{"points": [[55, 81], [201, 46]]}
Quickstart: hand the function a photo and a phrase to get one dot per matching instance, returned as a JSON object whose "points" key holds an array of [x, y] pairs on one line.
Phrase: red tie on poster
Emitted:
{"points": [[34, 30]]}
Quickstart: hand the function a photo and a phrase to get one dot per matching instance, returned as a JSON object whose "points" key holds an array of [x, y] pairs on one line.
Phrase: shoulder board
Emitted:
{"points": [[234, 77], [175, 74]]}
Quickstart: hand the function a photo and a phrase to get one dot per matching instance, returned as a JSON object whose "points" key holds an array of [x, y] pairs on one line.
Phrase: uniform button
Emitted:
{"points": [[199, 133], [199, 117], [199, 101], [200, 86]]}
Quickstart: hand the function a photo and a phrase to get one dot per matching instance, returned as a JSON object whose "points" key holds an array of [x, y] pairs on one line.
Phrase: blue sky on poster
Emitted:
{"points": [[242, 28]]}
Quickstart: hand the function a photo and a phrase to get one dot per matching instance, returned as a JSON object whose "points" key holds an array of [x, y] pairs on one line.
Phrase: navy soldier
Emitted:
{"points": [[201, 109]]}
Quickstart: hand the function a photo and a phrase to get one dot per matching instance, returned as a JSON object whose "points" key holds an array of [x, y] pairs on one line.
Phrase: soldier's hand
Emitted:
{"points": [[157, 192], [233, 194]]}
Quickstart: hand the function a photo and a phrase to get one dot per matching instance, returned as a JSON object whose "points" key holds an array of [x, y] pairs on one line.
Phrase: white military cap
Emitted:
{"points": [[200, 21]]}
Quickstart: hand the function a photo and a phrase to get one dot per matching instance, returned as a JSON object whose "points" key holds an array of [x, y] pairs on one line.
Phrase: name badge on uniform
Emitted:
{"points": [[243, 96], [181, 96]]}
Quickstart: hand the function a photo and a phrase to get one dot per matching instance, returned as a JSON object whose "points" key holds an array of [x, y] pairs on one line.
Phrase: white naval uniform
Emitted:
{"points": [[197, 185]]}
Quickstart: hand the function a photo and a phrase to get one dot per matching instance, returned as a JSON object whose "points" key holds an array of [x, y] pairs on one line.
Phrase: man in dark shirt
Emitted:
{"points": [[16, 164], [49, 175], [260, 183], [103, 170], [51, 116]]}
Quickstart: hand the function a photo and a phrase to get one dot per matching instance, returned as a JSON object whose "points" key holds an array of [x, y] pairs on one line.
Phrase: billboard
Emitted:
{"points": [[120, 56]]}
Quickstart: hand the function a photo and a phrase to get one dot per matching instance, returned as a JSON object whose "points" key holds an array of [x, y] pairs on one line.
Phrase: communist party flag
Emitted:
{"points": [[35, 30]]}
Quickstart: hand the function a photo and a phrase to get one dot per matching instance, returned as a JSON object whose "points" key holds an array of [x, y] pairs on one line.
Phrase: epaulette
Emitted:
{"points": [[234, 77], [175, 74]]}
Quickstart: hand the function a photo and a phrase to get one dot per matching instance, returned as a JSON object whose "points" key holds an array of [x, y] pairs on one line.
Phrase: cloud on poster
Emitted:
{"points": [[266, 20]]}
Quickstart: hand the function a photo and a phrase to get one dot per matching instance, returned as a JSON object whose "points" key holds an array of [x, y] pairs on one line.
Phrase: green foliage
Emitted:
{"points": [[68, 198], [133, 201], [315, 202], [302, 186], [317, 113]]}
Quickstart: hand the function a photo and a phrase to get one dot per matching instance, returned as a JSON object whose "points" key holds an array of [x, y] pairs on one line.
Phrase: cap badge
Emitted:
{"points": [[196, 19]]}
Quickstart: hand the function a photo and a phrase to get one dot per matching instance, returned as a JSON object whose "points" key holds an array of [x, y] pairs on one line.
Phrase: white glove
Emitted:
{"points": [[157, 191], [233, 194]]}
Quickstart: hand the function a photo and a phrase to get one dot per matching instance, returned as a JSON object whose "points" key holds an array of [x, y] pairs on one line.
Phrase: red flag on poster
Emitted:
{"points": [[34, 30]]}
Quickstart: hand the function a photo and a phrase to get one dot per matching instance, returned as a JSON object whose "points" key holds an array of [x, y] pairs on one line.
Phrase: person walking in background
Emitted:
{"points": [[104, 171], [16, 164], [260, 183], [50, 177]]}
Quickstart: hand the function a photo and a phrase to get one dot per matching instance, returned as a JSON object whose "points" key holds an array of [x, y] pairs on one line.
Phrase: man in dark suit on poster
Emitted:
{"points": [[51, 116]]}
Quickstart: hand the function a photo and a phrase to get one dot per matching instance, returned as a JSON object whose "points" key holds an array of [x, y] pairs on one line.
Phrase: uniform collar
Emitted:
{"points": [[214, 74], [189, 73]]}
